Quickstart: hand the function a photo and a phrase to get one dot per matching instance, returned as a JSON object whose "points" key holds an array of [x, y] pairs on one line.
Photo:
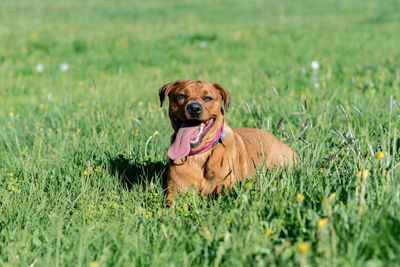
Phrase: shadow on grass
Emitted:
{"points": [[137, 173]]}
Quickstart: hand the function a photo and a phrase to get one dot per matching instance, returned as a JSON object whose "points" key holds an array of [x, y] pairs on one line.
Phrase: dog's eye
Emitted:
{"points": [[207, 99], [181, 96]]}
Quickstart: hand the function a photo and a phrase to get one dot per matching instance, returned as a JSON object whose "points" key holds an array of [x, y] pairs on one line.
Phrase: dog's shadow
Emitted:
{"points": [[131, 173]]}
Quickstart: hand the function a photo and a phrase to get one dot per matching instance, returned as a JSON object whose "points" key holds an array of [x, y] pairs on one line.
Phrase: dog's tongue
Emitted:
{"points": [[180, 148]]}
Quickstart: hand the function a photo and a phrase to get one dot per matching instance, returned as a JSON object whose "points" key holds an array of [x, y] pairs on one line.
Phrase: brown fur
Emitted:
{"points": [[234, 159]]}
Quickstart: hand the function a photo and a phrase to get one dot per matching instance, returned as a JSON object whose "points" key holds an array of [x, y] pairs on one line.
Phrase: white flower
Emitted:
{"points": [[49, 96], [315, 65], [203, 44], [39, 68], [64, 66]]}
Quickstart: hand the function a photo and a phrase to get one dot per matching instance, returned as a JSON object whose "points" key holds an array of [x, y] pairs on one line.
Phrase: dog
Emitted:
{"points": [[205, 153]]}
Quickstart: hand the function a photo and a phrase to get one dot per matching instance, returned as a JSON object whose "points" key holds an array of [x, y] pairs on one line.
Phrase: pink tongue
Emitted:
{"points": [[180, 148]]}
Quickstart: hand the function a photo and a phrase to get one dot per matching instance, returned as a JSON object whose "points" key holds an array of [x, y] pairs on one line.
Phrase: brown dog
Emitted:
{"points": [[205, 152]]}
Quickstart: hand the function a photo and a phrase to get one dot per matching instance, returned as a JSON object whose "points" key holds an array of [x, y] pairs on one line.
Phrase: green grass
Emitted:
{"points": [[68, 139]]}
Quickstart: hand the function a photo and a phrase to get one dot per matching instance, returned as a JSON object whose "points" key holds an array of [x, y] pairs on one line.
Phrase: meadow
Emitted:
{"points": [[83, 141]]}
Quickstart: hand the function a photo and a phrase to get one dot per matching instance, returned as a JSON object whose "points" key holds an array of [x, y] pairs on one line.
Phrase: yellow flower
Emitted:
{"points": [[248, 184], [133, 99], [78, 130], [380, 155], [268, 232], [322, 223], [41, 106], [185, 208], [365, 174], [94, 264], [85, 172], [156, 132], [15, 190], [11, 114], [303, 247], [384, 172], [358, 175], [326, 202], [37, 123], [300, 197]]}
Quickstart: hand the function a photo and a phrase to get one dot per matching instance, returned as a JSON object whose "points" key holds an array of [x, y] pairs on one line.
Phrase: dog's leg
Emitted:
{"points": [[182, 177]]}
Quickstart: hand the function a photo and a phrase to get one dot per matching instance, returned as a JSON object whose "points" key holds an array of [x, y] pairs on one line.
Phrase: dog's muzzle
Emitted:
{"points": [[194, 109]]}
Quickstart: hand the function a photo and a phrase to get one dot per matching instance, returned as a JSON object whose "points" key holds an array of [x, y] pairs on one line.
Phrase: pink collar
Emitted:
{"points": [[218, 138]]}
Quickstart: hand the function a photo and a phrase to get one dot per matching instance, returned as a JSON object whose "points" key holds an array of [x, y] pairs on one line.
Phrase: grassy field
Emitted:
{"points": [[83, 141]]}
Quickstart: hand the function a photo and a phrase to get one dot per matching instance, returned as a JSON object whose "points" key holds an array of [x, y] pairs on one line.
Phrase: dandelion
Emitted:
{"points": [[39, 68], [11, 114], [156, 133], [248, 184], [365, 174], [185, 208], [133, 99], [322, 223], [380, 155], [268, 232], [300, 197], [303, 247], [94, 264], [64, 67], [41, 106], [37, 124], [203, 44], [358, 174], [315, 65], [228, 219], [15, 190], [326, 202]]}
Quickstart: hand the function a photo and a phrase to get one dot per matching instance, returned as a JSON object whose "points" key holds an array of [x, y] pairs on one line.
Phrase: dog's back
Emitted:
{"points": [[260, 144]]}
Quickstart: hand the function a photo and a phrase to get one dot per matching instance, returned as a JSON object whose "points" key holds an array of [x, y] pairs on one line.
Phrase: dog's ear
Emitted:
{"points": [[226, 96], [164, 91]]}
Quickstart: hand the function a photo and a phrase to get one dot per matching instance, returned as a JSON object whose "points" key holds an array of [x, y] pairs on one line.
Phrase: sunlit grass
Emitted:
{"points": [[79, 113]]}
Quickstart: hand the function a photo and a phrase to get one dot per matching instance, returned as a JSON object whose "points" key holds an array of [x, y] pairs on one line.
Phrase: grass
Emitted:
{"points": [[71, 140]]}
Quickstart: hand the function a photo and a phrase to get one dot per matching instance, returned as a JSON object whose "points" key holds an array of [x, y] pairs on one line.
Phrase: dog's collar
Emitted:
{"points": [[218, 139]]}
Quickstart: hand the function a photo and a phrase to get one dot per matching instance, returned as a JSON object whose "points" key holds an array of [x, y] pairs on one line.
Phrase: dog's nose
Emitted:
{"points": [[194, 109]]}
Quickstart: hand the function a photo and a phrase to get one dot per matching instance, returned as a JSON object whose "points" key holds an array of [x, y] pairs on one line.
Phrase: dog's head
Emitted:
{"points": [[196, 114]]}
